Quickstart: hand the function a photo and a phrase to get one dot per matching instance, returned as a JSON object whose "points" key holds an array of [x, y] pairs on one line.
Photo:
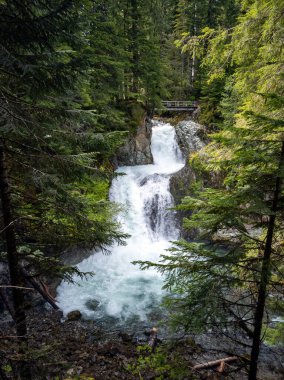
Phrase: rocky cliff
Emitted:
{"points": [[191, 138], [137, 149]]}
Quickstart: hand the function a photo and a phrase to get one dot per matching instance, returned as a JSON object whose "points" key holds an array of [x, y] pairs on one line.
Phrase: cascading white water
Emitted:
{"points": [[120, 289]]}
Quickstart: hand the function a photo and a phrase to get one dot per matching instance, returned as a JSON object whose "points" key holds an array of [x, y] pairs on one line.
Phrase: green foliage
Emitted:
{"points": [[7, 368], [197, 23], [274, 336], [57, 146], [158, 364], [215, 280]]}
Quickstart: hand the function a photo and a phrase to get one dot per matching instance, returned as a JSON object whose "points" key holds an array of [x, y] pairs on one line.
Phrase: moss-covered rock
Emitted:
{"points": [[137, 148]]}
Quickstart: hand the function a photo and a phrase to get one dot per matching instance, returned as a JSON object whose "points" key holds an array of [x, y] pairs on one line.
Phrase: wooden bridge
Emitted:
{"points": [[177, 106]]}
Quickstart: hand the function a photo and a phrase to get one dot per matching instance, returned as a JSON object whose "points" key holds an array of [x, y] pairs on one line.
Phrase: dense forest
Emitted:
{"points": [[77, 78]]}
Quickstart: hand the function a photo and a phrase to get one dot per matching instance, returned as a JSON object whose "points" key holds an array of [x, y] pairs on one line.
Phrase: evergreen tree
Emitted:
{"points": [[148, 71], [195, 23], [51, 153], [229, 287], [109, 60]]}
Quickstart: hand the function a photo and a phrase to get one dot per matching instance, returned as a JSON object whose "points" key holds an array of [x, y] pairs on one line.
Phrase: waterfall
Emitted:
{"points": [[120, 289]]}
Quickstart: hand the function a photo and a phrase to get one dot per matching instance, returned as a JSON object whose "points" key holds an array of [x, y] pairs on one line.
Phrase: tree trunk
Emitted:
{"points": [[193, 60], [265, 275], [16, 278], [135, 45]]}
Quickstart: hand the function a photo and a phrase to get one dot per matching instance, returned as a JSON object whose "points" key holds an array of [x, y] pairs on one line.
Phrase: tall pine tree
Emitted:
{"points": [[229, 287], [51, 151]]}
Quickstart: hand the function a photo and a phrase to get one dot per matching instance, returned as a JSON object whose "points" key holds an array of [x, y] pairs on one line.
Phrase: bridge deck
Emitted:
{"points": [[177, 105]]}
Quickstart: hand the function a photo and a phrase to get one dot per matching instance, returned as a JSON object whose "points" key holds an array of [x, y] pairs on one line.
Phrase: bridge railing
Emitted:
{"points": [[178, 104]]}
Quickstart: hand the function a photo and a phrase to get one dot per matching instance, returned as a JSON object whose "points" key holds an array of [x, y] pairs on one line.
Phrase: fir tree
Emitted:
{"points": [[229, 288], [51, 156]]}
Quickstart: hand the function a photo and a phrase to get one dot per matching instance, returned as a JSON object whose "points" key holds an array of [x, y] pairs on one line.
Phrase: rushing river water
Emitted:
{"points": [[119, 289]]}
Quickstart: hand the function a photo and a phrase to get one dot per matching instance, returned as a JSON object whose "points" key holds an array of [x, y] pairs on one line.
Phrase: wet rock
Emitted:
{"points": [[125, 337], [137, 148], [190, 136], [74, 315], [92, 304], [148, 332], [73, 256], [155, 178]]}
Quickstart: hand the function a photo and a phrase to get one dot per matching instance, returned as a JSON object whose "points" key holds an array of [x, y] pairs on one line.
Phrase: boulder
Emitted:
{"points": [[92, 304], [74, 315], [190, 136]]}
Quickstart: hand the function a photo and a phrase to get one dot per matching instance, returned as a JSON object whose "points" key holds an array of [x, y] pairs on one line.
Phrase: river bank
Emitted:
{"points": [[62, 349]]}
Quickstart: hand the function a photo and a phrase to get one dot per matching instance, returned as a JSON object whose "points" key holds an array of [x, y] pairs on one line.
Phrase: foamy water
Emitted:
{"points": [[120, 289]]}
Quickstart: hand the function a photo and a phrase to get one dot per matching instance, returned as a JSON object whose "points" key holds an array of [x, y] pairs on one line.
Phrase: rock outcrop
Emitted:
{"points": [[137, 149], [190, 137]]}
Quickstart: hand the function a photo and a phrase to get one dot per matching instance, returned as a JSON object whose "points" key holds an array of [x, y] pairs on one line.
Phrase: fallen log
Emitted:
{"points": [[46, 289], [221, 367], [37, 287], [219, 362], [43, 293]]}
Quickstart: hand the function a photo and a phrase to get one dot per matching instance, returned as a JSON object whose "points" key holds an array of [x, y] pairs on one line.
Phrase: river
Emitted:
{"points": [[120, 291]]}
